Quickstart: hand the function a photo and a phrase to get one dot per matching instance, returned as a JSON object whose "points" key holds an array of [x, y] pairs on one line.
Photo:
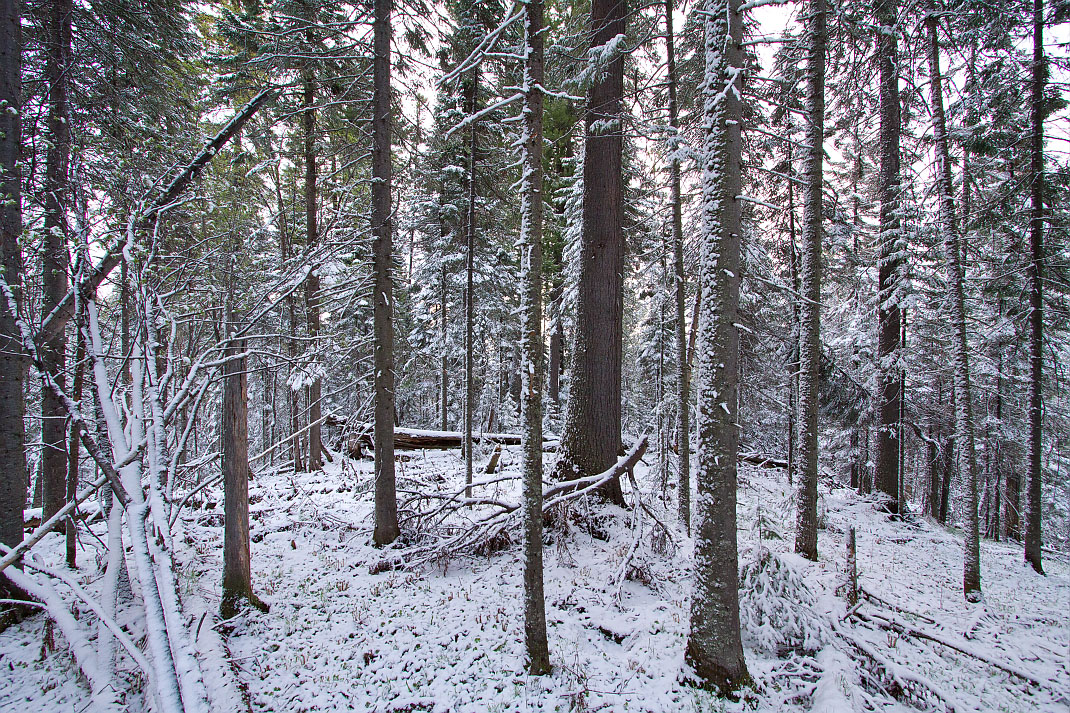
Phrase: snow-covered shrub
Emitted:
{"points": [[776, 606]]}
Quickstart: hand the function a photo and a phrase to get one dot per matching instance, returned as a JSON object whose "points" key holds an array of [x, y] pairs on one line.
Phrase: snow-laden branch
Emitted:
{"points": [[484, 46]]}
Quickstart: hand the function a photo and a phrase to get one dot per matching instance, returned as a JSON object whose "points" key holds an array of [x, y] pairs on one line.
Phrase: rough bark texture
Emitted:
{"points": [[386, 506], [54, 254], [73, 454], [237, 573], [714, 647], [12, 360], [312, 284], [444, 379], [554, 368], [683, 371], [810, 327], [469, 296], [1033, 537], [964, 426], [889, 316], [591, 438], [532, 347]]}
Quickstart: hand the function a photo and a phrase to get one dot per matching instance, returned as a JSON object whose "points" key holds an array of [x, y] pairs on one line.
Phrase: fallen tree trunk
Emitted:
{"points": [[409, 439], [416, 438], [763, 461]]}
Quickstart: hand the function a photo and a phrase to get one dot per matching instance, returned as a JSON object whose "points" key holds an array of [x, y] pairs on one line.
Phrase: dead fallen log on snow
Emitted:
{"points": [[411, 439], [763, 461]]}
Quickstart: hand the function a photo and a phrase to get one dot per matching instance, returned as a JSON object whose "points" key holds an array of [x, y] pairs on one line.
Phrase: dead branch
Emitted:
{"points": [[62, 312]]}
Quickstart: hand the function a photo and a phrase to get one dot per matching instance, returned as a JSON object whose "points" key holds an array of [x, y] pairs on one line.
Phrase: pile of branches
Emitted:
{"points": [[449, 523]]}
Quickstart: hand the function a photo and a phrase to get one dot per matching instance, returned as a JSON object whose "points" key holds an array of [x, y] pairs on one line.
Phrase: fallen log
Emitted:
{"points": [[410, 439], [890, 622], [763, 461]]}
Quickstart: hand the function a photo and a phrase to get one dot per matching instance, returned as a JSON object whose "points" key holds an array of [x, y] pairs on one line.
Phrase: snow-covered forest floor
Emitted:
{"points": [[448, 636]]}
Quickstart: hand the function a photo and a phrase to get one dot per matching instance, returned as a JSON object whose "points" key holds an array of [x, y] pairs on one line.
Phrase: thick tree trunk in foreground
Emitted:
{"points": [[1033, 535], [237, 573], [964, 427], [591, 438], [386, 506], [312, 284], [714, 647], [889, 316], [683, 371], [531, 369], [810, 328], [12, 361], [54, 255]]}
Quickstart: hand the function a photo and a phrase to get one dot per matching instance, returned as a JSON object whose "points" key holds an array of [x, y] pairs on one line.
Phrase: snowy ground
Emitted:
{"points": [[448, 637]]}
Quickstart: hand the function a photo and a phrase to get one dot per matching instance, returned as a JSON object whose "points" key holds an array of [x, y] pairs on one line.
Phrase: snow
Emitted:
{"points": [[450, 637]]}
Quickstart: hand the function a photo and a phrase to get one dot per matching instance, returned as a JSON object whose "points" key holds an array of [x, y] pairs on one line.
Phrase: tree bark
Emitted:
{"points": [[538, 657], [13, 477], [237, 571], [469, 297], [386, 506], [54, 256], [810, 327], [714, 647], [71, 529], [889, 278], [591, 437], [1033, 534], [312, 284], [964, 426], [683, 371]]}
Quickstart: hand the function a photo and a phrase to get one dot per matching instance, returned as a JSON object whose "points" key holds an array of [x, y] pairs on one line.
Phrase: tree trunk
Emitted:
{"points": [[793, 353], [444, 379], [556, 339], [54, 256], [932, 503], [714, 647], [591, 438], [386, 506], [810, 327], [538, 657], [71, 529], [1033, 534], [13, 477], [964, 427], [237, 573], [683, 372], [889, 278], [469, 297], [312, 284]]}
